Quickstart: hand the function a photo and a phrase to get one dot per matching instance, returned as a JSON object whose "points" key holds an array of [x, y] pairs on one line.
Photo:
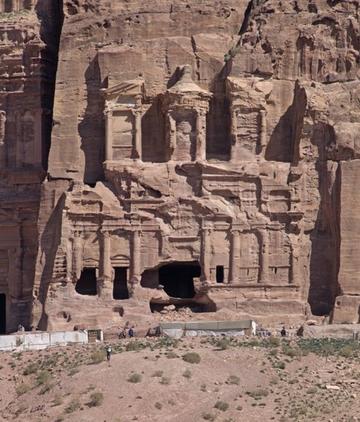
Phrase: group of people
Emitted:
{"points": [[127, 331]]}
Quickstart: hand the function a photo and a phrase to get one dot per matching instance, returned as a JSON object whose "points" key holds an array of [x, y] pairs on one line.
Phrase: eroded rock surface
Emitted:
{"points": [[203, 154]]}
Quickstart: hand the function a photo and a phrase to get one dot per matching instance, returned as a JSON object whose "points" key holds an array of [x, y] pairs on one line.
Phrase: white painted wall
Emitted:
{"points": [[37, 341]]}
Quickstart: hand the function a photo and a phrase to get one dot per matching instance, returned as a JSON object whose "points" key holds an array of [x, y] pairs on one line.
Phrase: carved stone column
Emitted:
{"points": [[69, 261], [263, 129], [295, 262], [264, 257], [135, 262], [201, 136], [171, 134], [2, 139], [109, 135], [77, 255], [234, 274], [205, 255], [137, 147], [104, 286], [15, 273]]}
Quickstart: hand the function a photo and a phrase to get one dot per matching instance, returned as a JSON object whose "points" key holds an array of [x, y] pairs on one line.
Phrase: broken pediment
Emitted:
{"points": [[125, 92]]}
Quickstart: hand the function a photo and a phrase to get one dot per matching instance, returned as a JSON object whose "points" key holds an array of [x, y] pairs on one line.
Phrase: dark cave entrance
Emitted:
{"points": [[2, 313], [120, 289], [87, 283], [178, 279]]}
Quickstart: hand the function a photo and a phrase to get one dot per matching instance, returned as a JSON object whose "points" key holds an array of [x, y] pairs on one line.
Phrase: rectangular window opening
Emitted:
{"points": [[220, 274]]}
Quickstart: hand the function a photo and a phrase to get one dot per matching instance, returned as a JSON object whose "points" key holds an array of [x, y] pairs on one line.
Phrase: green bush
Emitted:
{"points": [[97, 357], [233, 379], [22, 389], [187, 374], [43, 377], [192, 357], [221, 405], [73, 406], [135, 378], [96, 399], [208, 416], [258, 393], [31, 369]]}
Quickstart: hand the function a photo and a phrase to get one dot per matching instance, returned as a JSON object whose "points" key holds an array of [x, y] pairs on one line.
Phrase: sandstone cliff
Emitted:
{"points": [[209, 147]]}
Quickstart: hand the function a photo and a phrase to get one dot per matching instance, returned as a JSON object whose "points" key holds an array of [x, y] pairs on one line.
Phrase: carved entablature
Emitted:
{"points": [[247, 99], [123, 114], [7, 6], [185, 106]]}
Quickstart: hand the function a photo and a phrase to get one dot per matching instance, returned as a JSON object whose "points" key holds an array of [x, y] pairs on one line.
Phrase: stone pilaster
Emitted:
{"points": [[264, 257], [235, 245], [137, 147], [2, 139], [201, 136], [205, 255], [135, 261], [171, 134], [108, 135], [104, 281], [295, 263], [15, 273], [263, 130], [77, 255]]}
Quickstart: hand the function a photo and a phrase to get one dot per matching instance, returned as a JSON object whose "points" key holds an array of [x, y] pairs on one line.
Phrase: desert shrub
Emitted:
{"points": [[57, 400], [208, 416], [96, 399], [45, 388], [279, 365], [73, 406], [274, 341], [22, 389], [187, 374], [192, 357], [31, 369], [135, 346], [158, 405], [289, 351], [158, 374], [258, 393], [221, 405], [97, 357], [134, 378], [43, 377], [165, 380], [171, 355], [233, 379], [223, 343]]}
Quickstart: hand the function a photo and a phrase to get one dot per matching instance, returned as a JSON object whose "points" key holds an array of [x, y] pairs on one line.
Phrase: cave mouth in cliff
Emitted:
{"points": [[120, 288], [2, 313], [87, 283], [178, 279]]}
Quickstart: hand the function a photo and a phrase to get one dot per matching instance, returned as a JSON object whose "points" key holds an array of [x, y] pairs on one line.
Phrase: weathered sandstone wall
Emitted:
{"points": [[202, 153]]}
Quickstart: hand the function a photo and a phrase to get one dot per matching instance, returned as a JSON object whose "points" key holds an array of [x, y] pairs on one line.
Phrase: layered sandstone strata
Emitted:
{"points": [[202, 154]]}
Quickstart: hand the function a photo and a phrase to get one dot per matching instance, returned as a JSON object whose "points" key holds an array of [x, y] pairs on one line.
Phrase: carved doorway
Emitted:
{"points": [[87, 283], [178, 279], [120, 289], [2, 313]]}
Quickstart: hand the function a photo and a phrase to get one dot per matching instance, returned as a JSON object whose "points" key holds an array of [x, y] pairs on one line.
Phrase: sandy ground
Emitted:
{"points": [[148, 380]]}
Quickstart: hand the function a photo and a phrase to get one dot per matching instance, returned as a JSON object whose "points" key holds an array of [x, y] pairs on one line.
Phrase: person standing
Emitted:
{"points": [[108, 354]]}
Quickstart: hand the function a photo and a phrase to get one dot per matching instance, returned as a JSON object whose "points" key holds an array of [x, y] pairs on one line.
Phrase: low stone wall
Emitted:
{"points": [[208, 328], [41, 340], [340, 331]]}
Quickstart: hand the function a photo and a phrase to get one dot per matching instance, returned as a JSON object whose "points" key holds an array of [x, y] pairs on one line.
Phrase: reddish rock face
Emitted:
{"points": [[202, 154]]}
